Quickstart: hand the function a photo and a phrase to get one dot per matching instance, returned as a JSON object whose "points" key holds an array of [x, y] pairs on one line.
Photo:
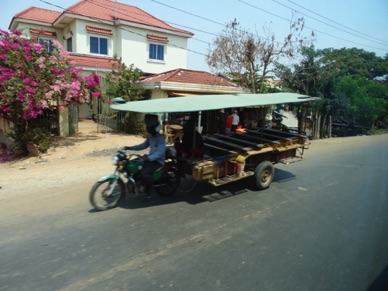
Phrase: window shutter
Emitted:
{"points": [[103, 46], [94, 45], [69, 44], [160, 52], [152, 51]]}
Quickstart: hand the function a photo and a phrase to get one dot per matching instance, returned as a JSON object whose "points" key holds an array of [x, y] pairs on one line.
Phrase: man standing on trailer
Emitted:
{"points": [[235, 121]]}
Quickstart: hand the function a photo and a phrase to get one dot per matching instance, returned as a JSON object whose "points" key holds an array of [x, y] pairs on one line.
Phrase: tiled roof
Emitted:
{"points": [[38, 14], [110, 10], [107, 10], [92, 61], [190, 76]]}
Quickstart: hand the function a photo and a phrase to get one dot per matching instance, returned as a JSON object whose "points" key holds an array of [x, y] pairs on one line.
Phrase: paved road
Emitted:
{"points": [[321, 226]]}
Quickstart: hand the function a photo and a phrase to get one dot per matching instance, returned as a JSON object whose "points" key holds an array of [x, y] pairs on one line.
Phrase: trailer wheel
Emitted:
{"points": [[264, 174]]}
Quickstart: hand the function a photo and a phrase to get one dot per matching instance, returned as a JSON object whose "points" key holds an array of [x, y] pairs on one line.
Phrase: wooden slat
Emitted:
{"points": [[257, 138], [228, 144], [285, 133], [238, 140], [218, 148], [260, 133]]}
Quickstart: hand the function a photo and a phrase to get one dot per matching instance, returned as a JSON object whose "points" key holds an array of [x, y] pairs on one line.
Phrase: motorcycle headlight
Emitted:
{"points": [[115, 160]]}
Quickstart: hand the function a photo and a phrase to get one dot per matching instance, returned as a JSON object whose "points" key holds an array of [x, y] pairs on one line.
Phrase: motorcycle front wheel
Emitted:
{"points": [[106, 194]]}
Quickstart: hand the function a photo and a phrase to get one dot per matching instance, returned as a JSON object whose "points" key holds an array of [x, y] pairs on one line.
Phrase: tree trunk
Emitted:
{"points": [[323, 126], [330, 126], [302, 118], [317, 126]]}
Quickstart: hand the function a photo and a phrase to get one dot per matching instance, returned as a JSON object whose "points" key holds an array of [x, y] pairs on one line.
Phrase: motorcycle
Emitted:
{"points": [[109, 189]]}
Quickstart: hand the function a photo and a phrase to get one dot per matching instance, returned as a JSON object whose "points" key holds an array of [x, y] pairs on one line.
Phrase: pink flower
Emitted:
{"points": [[30, 90], [38, 78]]}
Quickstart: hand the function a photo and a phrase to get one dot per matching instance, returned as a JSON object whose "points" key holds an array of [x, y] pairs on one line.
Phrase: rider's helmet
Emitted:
{"points": [[152, 123]]}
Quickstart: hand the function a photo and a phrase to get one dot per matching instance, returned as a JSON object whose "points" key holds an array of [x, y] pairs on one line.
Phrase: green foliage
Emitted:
{"points": [[121, 83], [133, 125], [352, 82], [39, 137], [365, 107], [357, 62], [377, 131], [21, 137]]}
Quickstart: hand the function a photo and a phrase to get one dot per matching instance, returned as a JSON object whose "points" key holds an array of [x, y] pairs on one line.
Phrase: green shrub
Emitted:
{"points": [[377, 131], [134, 125], [39, 137]]}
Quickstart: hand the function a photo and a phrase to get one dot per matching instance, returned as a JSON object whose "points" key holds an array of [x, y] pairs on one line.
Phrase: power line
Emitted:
{"points": [[327, 23], [253, 6], [335, 22], [213, 21], [186, 12]]}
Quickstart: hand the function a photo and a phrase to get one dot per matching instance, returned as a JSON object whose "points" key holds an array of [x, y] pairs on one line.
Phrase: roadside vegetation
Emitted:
{"points": [[353, 83], [34, 80]]}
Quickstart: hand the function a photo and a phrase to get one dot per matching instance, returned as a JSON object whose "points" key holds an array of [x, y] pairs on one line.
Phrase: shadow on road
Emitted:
{"points": [[195, 192]]}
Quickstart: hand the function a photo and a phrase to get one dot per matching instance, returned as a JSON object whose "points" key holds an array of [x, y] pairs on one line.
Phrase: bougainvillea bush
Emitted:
{"points": [[33, 79]]}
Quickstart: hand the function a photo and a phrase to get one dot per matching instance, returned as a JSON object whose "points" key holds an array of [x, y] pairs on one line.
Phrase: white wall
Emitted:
{"points": [[132, 45], [136, 51]]}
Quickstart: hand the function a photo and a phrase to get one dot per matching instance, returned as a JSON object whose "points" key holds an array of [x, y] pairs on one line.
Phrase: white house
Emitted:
{"points": [[94, 32], [98, 29]]}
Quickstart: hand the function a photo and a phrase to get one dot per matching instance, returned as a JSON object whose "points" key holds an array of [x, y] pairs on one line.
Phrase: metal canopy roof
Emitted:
{"points": [[210, 102]]}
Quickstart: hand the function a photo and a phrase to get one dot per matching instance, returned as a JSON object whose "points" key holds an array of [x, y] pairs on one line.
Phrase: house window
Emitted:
{"points": [[69, 44], [47, 44], [98, 45], [156, 52]]}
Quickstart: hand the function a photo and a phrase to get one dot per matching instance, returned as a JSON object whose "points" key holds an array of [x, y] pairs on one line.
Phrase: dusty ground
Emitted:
{"points": [[85, 155]]}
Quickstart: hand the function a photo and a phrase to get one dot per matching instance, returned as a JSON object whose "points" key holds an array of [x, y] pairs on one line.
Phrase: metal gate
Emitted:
{"points": [[47, 121], [111, 123]]}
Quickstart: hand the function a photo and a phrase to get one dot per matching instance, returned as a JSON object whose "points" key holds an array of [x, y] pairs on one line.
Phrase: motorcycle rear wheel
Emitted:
{"points": [[170, 183], [101, 199]]}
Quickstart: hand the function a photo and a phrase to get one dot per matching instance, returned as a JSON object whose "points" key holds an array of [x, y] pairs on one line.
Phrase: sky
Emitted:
{"points": [[336, 24]]}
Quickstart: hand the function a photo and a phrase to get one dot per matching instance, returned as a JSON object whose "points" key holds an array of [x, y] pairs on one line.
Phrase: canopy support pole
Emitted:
{"points": [[199, 121]]}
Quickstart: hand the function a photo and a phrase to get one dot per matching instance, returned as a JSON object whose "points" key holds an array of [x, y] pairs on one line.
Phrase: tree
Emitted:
{"points": [[363, 79], [248, 58], [121, 82], [311, 77], [33, 79], [352, 90], [354, 61]]}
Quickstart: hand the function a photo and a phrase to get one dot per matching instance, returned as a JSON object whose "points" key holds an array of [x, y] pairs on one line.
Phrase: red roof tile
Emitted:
{"points": [[92, 61], [110, 10], [190, 76], [157, 38], [99, 30], [38, 14], [43, 32]]}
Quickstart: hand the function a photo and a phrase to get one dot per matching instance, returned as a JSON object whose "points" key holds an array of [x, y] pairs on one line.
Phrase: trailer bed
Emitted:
{"points": [[229, 158]]}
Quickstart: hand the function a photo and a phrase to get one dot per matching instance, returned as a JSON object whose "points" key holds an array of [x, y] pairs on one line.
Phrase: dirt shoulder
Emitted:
{"points": [[84, 155]]}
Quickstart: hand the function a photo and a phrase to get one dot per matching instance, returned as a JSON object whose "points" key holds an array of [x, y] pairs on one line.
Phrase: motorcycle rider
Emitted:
{"points": [[156, 157]]}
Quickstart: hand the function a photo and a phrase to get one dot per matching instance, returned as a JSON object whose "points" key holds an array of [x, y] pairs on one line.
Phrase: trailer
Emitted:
{"points": [[254, 153]]}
